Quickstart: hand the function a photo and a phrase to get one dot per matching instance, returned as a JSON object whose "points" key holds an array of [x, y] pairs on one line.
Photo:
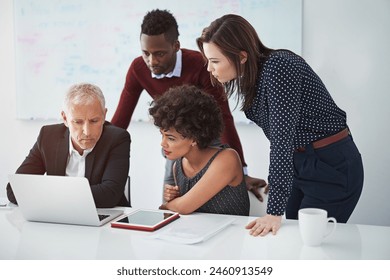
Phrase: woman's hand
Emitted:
{"points": [[171, 192], [263, 225]]}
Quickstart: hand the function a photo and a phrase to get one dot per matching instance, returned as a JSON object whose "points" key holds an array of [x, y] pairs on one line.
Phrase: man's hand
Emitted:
{"points": [[254, 184]]}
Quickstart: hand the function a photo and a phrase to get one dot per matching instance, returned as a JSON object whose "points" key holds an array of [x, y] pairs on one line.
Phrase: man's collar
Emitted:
{"points": [[176, 71]]}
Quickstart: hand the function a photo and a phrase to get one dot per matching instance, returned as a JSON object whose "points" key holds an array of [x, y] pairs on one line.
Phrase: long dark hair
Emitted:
{"points": [[233, 34]]}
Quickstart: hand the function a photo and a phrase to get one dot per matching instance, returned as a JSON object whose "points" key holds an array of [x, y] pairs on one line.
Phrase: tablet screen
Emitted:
{"points": [[146, 219]]}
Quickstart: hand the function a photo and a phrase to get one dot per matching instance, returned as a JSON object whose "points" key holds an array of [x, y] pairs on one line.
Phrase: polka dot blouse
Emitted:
{"points": [[293, 108]]}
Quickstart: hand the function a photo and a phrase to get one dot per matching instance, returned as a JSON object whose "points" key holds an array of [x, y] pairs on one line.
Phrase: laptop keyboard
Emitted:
{"points": [[102, 217]]}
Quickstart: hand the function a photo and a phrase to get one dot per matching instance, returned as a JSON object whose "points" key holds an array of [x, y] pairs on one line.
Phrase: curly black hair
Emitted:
{"points": [[191, 112], [158, 22]]}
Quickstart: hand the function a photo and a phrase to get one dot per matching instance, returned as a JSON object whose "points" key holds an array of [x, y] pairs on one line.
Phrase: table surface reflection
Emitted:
{"points": [[32, 240]]}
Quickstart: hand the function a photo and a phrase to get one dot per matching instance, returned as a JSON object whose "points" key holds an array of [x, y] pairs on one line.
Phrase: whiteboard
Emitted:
{"points": [[62, 42]]}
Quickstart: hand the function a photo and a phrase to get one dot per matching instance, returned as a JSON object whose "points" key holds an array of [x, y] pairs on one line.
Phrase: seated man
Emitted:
{"points": [[206, 179], [85, 145]]}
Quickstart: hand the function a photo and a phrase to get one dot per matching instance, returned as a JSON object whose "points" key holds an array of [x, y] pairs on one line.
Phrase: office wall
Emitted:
{"points": [[347, 42], [62, 42]]}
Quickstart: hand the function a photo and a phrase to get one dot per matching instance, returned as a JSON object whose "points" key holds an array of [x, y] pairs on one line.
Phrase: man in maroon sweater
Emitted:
{"points": [[164, 64]]}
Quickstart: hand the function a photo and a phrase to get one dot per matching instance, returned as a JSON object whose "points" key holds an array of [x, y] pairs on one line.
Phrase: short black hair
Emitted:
{"points": [[157, 22], [191, 112]]}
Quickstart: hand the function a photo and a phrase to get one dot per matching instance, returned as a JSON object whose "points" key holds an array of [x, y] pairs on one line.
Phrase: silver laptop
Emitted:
{"points": [[58, 199]]}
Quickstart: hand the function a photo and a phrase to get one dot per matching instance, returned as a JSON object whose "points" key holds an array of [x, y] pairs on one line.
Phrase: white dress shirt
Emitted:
{"points": [[76, 162], [176, 71]]}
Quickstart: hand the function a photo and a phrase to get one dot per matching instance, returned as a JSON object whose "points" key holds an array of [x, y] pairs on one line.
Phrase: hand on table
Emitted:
{"points": [[263, 225]]}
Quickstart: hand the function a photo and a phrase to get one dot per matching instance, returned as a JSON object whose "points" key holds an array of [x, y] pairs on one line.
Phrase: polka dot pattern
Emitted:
{"points": [[294, 108]]}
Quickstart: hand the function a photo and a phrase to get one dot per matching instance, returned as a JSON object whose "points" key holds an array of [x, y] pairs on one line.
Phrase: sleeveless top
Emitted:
{"points": [[230, 200]]}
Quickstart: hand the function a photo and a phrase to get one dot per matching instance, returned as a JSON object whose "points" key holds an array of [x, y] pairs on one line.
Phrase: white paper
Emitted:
{"points": [[193, 229]]}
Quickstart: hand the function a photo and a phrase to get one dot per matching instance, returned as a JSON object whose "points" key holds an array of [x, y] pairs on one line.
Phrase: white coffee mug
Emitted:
{"points": [[313, 225]]}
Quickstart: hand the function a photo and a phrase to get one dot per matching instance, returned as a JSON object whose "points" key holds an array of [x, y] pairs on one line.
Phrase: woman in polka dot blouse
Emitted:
{"points": [[313, 159]]}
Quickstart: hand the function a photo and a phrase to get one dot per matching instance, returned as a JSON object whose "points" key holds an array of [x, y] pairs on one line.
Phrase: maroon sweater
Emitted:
{"points": [[194, 72]]}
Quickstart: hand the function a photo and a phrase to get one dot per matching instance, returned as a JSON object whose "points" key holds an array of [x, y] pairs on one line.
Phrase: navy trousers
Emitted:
{"points": [[330, 178]]}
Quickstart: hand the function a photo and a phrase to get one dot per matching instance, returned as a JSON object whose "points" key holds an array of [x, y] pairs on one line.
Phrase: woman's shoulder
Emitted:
{"points": [[228, 165], [282, 56], [282, 60], [227, 156]]}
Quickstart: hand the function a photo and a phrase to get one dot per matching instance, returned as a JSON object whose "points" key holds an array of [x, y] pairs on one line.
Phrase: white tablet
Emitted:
{"points": [[148, 220]]}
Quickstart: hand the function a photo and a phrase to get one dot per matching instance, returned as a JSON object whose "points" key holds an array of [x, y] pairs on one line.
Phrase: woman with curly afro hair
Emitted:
{"points": [[208, 178]]}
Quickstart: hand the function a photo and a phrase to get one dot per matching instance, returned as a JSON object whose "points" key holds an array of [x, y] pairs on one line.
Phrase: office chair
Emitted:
{"points": [[127, 190]]}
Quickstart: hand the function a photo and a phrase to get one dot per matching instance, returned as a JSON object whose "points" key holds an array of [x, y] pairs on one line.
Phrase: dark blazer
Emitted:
{"points": [[106, 167]]}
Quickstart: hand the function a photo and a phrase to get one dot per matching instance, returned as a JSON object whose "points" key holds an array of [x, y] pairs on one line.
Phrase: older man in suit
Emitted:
{"points": [[84, 145]]}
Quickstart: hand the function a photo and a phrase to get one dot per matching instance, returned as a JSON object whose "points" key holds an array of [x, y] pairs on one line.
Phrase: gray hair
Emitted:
{"points": [[83, 93]]}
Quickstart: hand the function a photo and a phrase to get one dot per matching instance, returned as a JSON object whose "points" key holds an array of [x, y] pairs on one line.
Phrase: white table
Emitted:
{"points": [[20, 239]]}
